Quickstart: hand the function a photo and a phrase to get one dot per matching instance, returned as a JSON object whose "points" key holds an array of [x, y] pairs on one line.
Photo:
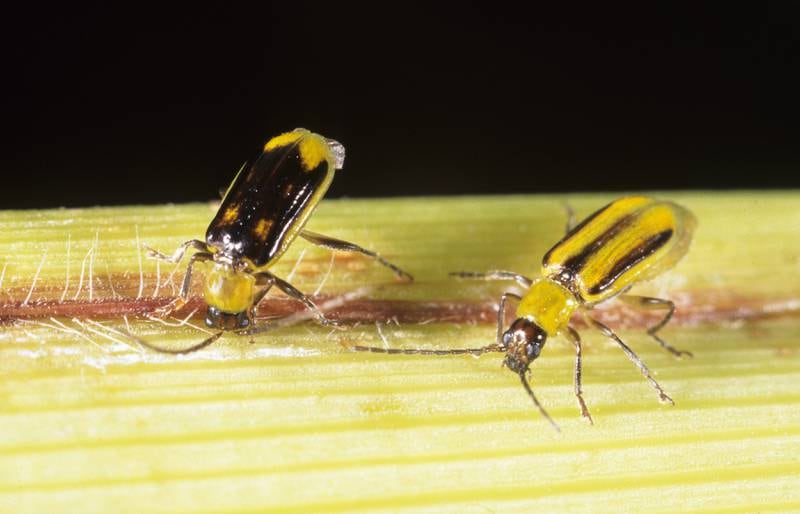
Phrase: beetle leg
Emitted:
{"points": [[178, 254], [292, 292], [650, 303], [494, 275], [631, 355], [187, 278], [183, 296], [575, 337], [501, 316], [263, 280], [572, 221], [345, 246]]}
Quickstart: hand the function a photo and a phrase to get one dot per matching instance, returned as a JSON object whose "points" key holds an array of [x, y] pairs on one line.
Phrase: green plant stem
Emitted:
{"points": [[296, 422]]}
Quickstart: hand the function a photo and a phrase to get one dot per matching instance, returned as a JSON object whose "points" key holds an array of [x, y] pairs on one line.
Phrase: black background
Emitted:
{"points": [[112, 105]]}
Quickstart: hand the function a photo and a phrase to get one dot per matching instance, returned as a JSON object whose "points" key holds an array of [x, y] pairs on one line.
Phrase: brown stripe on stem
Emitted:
{"points": [[695, 307]]}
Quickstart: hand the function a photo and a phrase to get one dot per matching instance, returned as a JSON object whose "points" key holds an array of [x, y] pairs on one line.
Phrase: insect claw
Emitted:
{"points": [[152, 253], [334, 324], [165, 310]]}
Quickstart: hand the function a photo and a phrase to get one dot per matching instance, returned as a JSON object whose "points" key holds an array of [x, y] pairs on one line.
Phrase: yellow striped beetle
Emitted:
{"points": [[262, 212], [629, 240]]}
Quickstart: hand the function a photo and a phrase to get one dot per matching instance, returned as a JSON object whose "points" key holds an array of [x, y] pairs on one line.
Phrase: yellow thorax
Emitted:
{"points": [[229, 290], [548, 304]]}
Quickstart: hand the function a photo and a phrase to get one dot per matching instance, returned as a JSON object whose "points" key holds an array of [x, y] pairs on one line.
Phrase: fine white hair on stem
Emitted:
{"points": [[127, 324], [158, 279], [111, 283], [380, 333], [328, 305], [185, 322], [180, 322], [168, 281], [290, 276], [104, 334], [325, 277], [33, 336], [93, 252], [78, 333], [128, 329], [139, 257], [35, 278], [66, 281], [83, 270], [2, 277]]}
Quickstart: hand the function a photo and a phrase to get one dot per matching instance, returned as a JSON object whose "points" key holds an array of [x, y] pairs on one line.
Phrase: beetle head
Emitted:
{"points": [[522, 342]]}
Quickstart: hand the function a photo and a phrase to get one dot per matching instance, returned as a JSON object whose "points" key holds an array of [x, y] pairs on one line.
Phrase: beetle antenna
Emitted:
{"points": [[523, 377], [177, 351], [422, 351]]}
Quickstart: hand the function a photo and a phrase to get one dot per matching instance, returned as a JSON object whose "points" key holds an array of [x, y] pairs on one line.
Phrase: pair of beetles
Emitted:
{"points": [[269, 201]]}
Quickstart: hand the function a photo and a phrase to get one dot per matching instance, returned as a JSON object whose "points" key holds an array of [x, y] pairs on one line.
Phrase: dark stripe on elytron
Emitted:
{"points": [[576, 263], [575, 229], [644, 250]]}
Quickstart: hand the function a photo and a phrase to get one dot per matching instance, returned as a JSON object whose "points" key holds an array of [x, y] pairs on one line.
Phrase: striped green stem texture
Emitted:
{"points": [[293, 420]]}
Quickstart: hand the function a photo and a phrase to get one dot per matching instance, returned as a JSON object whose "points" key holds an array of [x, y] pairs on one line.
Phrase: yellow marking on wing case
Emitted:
{"points": [[313, 149], [231, 214], [285, 139], [262, 228]]}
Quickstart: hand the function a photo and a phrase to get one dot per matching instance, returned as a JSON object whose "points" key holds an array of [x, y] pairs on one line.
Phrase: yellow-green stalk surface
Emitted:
{"points": [[90, 422]]}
